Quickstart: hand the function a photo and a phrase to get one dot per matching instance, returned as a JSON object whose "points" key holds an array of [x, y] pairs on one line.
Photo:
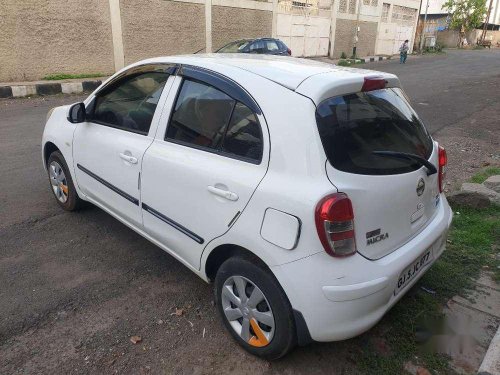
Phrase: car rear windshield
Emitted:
{"points": [[353, 126]]}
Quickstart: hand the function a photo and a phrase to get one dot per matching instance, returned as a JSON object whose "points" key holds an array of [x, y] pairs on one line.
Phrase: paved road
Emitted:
{"points": [[75, 287]]}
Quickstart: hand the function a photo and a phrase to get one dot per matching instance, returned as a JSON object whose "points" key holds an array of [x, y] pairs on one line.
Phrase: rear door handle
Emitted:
{"points": [[229, 195], [128, 158]]}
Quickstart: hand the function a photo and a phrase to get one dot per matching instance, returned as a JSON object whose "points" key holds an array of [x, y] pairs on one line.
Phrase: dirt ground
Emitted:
{"points": [[75, 287]]}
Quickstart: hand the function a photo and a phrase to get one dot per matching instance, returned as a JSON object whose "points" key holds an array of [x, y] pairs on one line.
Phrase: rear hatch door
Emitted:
{"points": [[393, 197]]}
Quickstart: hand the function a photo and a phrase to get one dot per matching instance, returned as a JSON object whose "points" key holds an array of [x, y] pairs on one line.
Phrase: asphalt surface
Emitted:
{"points": [[75, 286]]}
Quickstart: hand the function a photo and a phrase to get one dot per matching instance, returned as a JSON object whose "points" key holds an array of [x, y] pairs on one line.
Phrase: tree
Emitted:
{"points": [[465, 15]]}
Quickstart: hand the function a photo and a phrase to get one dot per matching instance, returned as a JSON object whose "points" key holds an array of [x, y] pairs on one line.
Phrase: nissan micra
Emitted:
{"points": [[309, 194]]}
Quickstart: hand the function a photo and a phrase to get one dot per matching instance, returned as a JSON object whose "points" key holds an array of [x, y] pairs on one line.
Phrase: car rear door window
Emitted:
{"points": [[243, 137], [353, 126], [130, 104], [208, 119], [200, 116]]}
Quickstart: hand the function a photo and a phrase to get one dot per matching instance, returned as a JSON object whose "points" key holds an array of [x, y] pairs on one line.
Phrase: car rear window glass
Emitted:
{"points": [[200, 116], [243, 136], [353, 126]]}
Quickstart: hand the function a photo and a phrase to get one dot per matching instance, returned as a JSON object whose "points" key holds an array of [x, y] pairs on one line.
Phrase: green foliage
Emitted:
{"points": [[465, 14], [343, 55], [470, 247], [59, 76], [483, 175]]}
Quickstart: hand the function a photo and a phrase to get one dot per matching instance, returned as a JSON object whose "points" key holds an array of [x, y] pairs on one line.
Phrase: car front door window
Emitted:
{"points": [[130, 103]]}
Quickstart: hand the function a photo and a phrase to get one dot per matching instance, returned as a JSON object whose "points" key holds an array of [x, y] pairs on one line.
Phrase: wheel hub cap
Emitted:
{"points": [[248, 311]]}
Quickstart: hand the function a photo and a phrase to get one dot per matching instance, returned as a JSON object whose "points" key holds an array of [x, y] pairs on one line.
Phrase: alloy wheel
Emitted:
{"points": [[58, 181], [248, 311]]}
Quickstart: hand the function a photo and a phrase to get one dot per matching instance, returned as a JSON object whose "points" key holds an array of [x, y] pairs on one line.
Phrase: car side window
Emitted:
{"points": [[207, 118], [272, 46], [243, 136], [257, 47], [201, 115], [130, 103]]}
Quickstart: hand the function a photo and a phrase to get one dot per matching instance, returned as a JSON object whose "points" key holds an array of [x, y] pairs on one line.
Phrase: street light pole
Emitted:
{"points": [[423, 29], [357, 31], [486, 21]]}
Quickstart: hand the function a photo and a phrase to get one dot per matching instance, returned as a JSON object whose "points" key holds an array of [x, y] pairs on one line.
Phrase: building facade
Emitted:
{"points": [[100, 36], [436, 25]]}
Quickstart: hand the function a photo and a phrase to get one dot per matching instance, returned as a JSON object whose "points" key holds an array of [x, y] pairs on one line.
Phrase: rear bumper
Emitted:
{"points": [[342, 297]]}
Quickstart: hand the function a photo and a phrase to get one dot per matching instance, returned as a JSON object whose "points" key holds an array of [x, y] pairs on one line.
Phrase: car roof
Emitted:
{"points": [[286, 71]]}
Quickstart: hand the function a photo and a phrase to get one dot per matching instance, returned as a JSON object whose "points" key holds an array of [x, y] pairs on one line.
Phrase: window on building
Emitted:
{"points": [[403, 15], [374, 3], [366, 2], [352, 6], [385, 12], [343, 6]]}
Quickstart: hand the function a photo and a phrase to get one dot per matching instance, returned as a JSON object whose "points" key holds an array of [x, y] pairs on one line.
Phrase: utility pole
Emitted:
{"points": [[357, 31], [423, 29], [485, 26]]}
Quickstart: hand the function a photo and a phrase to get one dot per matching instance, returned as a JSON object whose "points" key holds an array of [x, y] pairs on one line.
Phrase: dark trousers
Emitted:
{"points": [[402, 57]]}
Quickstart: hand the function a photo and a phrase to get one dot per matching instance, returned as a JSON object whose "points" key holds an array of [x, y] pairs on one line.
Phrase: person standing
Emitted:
{"points": [[403, 52]]}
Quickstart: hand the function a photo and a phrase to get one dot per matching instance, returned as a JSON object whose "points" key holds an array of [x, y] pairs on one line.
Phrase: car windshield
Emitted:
{"points": [[355, 128], [234, 47]]}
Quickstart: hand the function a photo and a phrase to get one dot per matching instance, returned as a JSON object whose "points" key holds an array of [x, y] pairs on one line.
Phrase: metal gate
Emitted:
{"points": [[305, 26]]}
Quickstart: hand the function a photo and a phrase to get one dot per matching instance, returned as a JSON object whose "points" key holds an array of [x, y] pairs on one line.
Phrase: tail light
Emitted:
{"points": [[373, 83], [443, 160], [289, 51], [335, 225]]}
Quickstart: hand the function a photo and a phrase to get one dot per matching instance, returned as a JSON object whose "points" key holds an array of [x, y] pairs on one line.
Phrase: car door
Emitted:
{"points": [[108, 147], [202, 169]]}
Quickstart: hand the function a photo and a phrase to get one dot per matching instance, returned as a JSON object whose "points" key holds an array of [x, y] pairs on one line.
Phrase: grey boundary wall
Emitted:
{"points": [[49, 88], [52, 88]]}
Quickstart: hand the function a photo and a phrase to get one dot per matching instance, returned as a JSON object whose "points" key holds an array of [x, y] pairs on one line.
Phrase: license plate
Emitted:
{"points": [[413, 270]]}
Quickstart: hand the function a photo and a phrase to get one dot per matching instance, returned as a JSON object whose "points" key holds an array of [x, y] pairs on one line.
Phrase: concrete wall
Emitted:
{"points": [[344, 38], [45, 36], [158, 27], [449, 38], [230, 23]]}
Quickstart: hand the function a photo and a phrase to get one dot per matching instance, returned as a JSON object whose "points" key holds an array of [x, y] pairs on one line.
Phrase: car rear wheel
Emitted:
{"points": [[254, 308], [61, 183]]}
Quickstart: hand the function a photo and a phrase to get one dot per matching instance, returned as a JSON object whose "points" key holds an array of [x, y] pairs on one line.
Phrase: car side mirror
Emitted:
{"points": [[76, 113]]}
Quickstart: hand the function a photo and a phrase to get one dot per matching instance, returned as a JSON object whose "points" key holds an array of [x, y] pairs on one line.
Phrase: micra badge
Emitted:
{"points": [[375, 236]]}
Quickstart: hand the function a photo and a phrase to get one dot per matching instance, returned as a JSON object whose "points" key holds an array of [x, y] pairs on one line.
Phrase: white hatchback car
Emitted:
{"points": [[311, 195]]}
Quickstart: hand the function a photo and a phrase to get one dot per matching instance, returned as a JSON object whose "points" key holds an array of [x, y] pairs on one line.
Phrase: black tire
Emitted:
{"points": [[284, 338], [73, 201]]}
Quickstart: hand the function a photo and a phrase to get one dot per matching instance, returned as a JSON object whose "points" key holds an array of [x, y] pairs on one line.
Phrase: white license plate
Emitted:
{"points": [[413, 270]]}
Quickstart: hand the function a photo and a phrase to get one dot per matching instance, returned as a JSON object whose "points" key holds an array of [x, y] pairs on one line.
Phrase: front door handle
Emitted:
{"points": [[229, 195], [128, 158]]}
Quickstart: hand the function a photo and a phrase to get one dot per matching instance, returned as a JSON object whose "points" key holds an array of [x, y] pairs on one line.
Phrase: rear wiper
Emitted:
{"points": [[431, 169]]}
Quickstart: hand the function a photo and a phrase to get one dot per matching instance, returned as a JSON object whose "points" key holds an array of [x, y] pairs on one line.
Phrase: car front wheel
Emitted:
{"points": [[254, 308], [61, 182]]}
